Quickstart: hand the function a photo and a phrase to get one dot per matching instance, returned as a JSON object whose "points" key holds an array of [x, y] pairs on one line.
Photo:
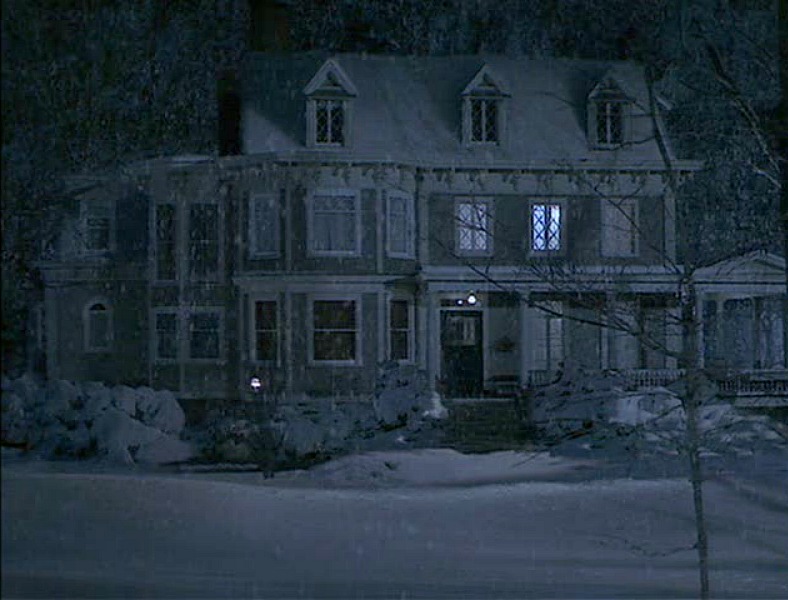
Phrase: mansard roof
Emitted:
{"points": [[408, 109]]}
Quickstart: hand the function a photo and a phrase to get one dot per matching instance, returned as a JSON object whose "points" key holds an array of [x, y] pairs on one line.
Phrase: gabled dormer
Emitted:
{"points": [[609, 111], [484, 109], [329, 107]]}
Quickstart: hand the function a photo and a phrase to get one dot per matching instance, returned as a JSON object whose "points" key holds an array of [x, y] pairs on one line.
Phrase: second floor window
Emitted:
{"points": [[474, 223], [203, 240], [263, 225], [335, 225], [400, 225], [484, 119], [619, 227], [329, 122], [97, 224], [546, 227]]}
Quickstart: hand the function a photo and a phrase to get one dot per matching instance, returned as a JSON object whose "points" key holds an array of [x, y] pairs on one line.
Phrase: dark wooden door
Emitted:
{"points": [[461, 348]]}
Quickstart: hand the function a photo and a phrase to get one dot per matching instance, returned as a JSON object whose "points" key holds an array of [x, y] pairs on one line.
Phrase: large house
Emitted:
{"points": [[481, 218]]}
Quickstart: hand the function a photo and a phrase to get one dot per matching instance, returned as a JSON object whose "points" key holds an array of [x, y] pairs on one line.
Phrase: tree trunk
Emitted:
{"points": [[693, 398]]}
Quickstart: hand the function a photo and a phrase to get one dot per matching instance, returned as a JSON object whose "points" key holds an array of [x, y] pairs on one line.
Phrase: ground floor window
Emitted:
{"points": [[266, 346], [98, 326], [549, 337], [204, 334], [400, 330], [166, 342], [335, 330]]}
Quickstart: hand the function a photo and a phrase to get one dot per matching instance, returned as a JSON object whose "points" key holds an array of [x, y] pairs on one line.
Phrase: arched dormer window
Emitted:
{"points": [[329, 96], [97, 325], [483, 109], [609, 110]]}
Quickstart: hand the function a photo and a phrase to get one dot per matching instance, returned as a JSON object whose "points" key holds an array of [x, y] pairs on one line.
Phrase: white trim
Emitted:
{"points": [[410, 224], [252, 328], [343, 192], [86, 325], [310, 329], [201, 310], [253, 230], [330, 67], [488, 230]]}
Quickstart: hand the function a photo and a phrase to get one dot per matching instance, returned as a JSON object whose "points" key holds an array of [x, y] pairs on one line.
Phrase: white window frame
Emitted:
{"points": [[603, 112], [218, 310], [85, 216], [87, 326], [614, 209], [178, 335], [356, 251], [273, 212], [411, 331], [409, 225], [562, 237], [487, 230], [543, 357], [253, 300], [358, 359]]}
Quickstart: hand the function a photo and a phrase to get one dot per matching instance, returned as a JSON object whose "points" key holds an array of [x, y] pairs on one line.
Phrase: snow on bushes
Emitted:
{"points": [[402, 412], [62, 419], [598, 409]]}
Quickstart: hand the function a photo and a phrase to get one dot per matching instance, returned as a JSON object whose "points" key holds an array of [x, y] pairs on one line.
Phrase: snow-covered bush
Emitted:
{"points": [[63, 419], [402, 396]]}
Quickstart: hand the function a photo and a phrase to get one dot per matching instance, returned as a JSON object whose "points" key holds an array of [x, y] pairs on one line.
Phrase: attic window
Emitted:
{"points": [[610, 123], [484, 120], [608, 114], [483, 109], [329, 122], [329, 107]]}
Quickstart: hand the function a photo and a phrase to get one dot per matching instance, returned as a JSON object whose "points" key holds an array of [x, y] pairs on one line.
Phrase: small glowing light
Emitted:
{"points": [[256, 384], [472, 299], [460, 302]]}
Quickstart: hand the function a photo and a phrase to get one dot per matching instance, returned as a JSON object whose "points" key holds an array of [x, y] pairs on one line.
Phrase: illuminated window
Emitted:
{"points": [[546, 227]]}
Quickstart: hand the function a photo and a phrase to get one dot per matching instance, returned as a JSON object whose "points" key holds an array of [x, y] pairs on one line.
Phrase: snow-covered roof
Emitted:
{"points": [[409, 108]]}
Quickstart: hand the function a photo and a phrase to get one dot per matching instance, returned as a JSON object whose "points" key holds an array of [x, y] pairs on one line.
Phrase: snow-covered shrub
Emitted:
{"points": [[402, 396], [63, 419]]}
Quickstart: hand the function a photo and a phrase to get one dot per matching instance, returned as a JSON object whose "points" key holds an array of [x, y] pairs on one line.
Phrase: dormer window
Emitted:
{"points": [[328, 109], [329, 122], [610, 123], [608, 116], [483, 109]]}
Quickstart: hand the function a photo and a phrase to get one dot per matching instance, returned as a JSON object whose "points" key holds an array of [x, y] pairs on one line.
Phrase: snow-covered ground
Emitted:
{"points": [[421, 524]]}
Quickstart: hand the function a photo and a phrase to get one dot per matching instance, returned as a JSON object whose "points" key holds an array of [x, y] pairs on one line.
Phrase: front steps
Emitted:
{"points": [[485, 425]]}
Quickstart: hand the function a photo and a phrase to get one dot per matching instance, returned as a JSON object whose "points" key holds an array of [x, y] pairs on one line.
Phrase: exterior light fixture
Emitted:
{"points": [[472, 299], [460, 301], [255, 384]]}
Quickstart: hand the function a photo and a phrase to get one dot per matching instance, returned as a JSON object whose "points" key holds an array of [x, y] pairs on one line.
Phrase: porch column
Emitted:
{"points": [[526, 336], [433, 336]]}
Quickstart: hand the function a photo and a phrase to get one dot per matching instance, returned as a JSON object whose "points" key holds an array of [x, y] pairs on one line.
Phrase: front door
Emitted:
{"points": [[461, 344]]}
